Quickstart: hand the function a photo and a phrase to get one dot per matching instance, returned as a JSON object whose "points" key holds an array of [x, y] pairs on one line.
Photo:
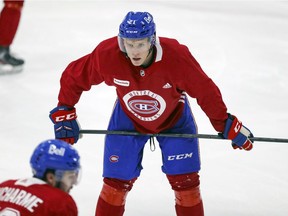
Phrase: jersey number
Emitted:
{"points": [[9, 212]]}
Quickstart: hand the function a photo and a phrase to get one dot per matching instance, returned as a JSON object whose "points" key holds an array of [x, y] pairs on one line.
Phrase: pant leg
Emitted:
{"points": [[181, 155], [181, 163], [122, 154]]}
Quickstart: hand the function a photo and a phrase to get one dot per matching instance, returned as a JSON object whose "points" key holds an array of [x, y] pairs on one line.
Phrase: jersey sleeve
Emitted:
{"points": [[201, 87], [79, 76]]}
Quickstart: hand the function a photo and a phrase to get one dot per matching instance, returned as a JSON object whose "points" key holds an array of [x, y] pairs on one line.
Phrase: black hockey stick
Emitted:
{"points": [[203, 136]]}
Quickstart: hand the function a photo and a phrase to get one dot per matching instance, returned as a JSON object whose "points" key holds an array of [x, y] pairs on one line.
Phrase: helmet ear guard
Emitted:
{"points": [[121, 44]]}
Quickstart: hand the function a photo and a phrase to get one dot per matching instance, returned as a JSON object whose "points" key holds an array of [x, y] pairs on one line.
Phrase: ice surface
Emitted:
{"points": [[242, 46]]}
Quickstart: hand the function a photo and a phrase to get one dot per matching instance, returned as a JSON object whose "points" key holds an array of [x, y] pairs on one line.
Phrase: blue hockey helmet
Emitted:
{"points": [[55, 155], [137, 25]]}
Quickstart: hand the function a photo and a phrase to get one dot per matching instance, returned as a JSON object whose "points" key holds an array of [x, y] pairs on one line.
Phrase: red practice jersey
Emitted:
{"points": [[152, 97], [32, 196]]}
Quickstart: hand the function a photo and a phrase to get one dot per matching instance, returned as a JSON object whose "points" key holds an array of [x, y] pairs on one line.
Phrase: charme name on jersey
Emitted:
{"points": [[20, 197]]}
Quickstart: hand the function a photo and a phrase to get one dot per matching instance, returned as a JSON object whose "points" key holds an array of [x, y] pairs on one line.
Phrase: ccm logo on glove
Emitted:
{"points": [[65, 124], [63, 115], [68, 117]]}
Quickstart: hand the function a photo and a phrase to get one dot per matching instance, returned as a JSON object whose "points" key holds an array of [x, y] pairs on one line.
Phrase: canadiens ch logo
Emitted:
{"points": [[145, 105], [114, 158]]}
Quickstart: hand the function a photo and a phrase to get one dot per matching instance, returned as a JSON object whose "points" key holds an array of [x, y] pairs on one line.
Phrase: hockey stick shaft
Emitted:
{"points": [[203, 136]]}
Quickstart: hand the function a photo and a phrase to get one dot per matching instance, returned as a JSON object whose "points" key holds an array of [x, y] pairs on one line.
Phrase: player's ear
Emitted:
{"points": [[51, 179]]}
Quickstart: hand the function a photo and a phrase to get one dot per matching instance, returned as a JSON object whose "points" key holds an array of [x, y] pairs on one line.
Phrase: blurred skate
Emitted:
{"points": [[9, 64]]}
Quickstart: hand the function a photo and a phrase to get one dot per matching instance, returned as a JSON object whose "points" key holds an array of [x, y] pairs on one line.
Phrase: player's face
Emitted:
{"points": [[137, 50], [68, 180]]}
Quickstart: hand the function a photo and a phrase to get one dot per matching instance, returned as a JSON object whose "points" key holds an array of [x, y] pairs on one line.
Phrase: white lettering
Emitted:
{"points": [[13, 195], [129, 31], [148, 19], [9, 212], [70, 116], [131, 22], [67, 117], [121, 82], [132, 104], [53, 150], [59, 118], [180, 156], [34, 203], [20, 197], [237, 127]]}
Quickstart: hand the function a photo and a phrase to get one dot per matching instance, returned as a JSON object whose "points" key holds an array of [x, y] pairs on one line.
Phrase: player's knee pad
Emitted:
{"points": [[184, 181], [186, 188], [114, 191], [15, 5]]}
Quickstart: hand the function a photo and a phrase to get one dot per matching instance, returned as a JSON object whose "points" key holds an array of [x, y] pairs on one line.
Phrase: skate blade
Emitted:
{"points": [[7, 69]]}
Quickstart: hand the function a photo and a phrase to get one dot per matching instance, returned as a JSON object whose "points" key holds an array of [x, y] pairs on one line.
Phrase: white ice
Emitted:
{"points": [[242, 46]]}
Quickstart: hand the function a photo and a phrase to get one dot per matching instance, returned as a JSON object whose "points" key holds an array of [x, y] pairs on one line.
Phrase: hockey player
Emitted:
{"points": [[55, 165], [9, 21], [152, 76]]}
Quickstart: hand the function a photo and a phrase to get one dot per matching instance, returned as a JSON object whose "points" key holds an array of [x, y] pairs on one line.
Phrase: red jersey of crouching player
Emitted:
{"points": [[32, 196], [152, 97]]}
